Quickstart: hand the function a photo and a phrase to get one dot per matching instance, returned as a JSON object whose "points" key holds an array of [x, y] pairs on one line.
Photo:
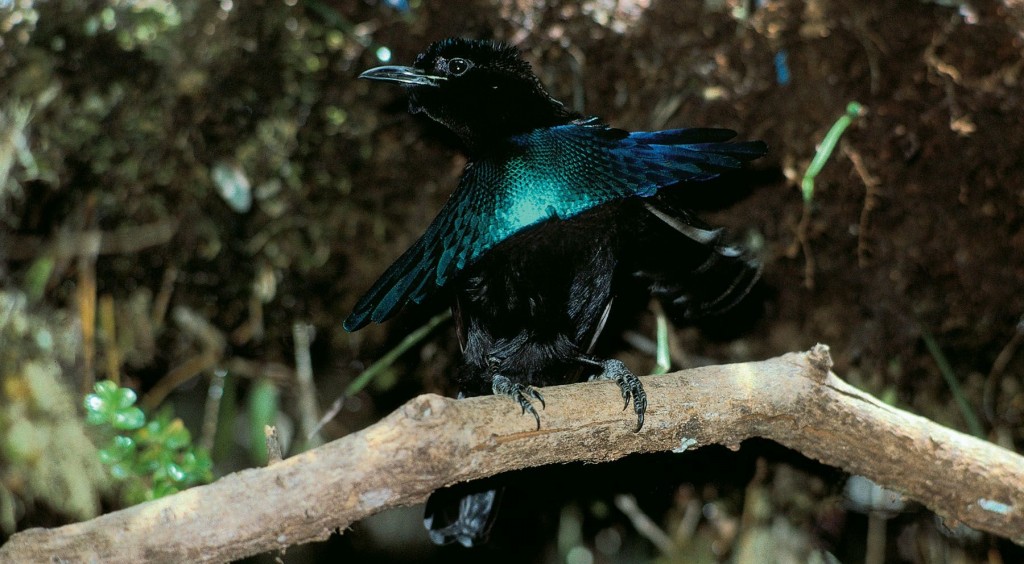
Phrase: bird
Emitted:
{"points": [[554, 215]]}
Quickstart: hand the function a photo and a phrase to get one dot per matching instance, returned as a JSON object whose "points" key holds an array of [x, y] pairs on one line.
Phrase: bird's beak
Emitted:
{"points": [[403, 75]]}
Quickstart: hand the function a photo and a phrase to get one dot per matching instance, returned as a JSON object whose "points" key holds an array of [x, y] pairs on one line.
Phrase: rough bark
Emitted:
{"points": [[433, 441]]}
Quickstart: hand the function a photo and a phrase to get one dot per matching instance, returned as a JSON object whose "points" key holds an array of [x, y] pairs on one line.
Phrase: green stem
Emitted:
{"points": [[391, 356], [663, 356], [828, 144], [954, 385]]}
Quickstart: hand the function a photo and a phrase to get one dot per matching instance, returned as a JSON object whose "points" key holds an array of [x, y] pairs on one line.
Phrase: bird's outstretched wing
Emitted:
{"points": [[556, 172]]}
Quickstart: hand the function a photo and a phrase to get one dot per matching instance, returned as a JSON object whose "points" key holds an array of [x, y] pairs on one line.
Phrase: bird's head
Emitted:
{"points": [[482, 91]]}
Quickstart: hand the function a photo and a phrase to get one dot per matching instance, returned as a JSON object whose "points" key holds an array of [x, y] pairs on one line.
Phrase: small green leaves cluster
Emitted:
{"points": [[152, 458]]}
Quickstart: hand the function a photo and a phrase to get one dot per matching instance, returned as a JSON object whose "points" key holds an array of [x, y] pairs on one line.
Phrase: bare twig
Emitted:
{"points": [[871, 193], [432, 442], [331, 412], [996, 373], [805, 245], [212, 343], [644, 524], [123, 241], [111, 349], [163, 297], [309, 408], [211, 411], [273, 445], [86, 291], [1007, 352]]}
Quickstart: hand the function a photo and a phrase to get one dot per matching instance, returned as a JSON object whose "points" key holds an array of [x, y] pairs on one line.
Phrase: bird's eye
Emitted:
{"points": [[458, 66]]}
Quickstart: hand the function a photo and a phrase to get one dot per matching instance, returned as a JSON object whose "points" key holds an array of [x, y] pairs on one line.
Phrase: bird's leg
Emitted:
{"points": [[628, 383], [502, 386]]}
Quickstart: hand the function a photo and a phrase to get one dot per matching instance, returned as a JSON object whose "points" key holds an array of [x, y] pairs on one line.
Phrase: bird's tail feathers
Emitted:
{"points": [[462, 513]]}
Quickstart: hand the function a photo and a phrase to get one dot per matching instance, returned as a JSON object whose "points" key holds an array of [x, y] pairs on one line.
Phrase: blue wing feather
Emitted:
{"points": [[555, 172]]}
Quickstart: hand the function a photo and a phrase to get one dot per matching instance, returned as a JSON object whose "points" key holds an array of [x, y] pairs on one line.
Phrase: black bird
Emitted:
{"points": [[554, 214]]}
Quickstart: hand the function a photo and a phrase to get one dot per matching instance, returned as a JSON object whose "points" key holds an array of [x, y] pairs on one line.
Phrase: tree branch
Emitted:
{"points": [[432, 442]]}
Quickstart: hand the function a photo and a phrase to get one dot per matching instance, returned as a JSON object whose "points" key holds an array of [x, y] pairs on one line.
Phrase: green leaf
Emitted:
{"points": [[175, 472], [198, 465], [176, 435], [121, 449], [113, 405], [95, 416], [124, 398], [128, 419], [98, 409], [156, 458], [123, 444], [105, 389], [37, 276]]}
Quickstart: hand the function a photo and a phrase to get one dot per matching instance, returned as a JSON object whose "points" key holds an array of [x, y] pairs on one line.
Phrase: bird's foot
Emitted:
{"points": [[502, 386], [628, 383]]}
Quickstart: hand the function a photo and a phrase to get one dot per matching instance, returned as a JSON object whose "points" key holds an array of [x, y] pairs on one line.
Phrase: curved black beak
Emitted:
{"points": [[402, 75]]}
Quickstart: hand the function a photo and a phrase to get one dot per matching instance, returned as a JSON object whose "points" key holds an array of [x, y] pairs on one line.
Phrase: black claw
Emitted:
{"points": [[639, 405], [536, 395], [639, 401], [519, 393], [520, 397], [629, 385], [535, 415]]}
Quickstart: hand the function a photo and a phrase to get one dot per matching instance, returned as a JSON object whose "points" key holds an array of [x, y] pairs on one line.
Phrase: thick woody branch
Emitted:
{"points": [[432, 442]]}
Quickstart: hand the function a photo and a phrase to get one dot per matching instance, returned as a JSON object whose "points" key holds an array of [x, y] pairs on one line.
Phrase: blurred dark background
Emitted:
{"points": [[191, 190]]}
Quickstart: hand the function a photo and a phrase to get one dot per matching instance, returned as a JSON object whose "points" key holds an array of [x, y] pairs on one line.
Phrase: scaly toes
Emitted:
{"points": [[527, 406], [629, 385], [502, 386], [639, 403]]}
